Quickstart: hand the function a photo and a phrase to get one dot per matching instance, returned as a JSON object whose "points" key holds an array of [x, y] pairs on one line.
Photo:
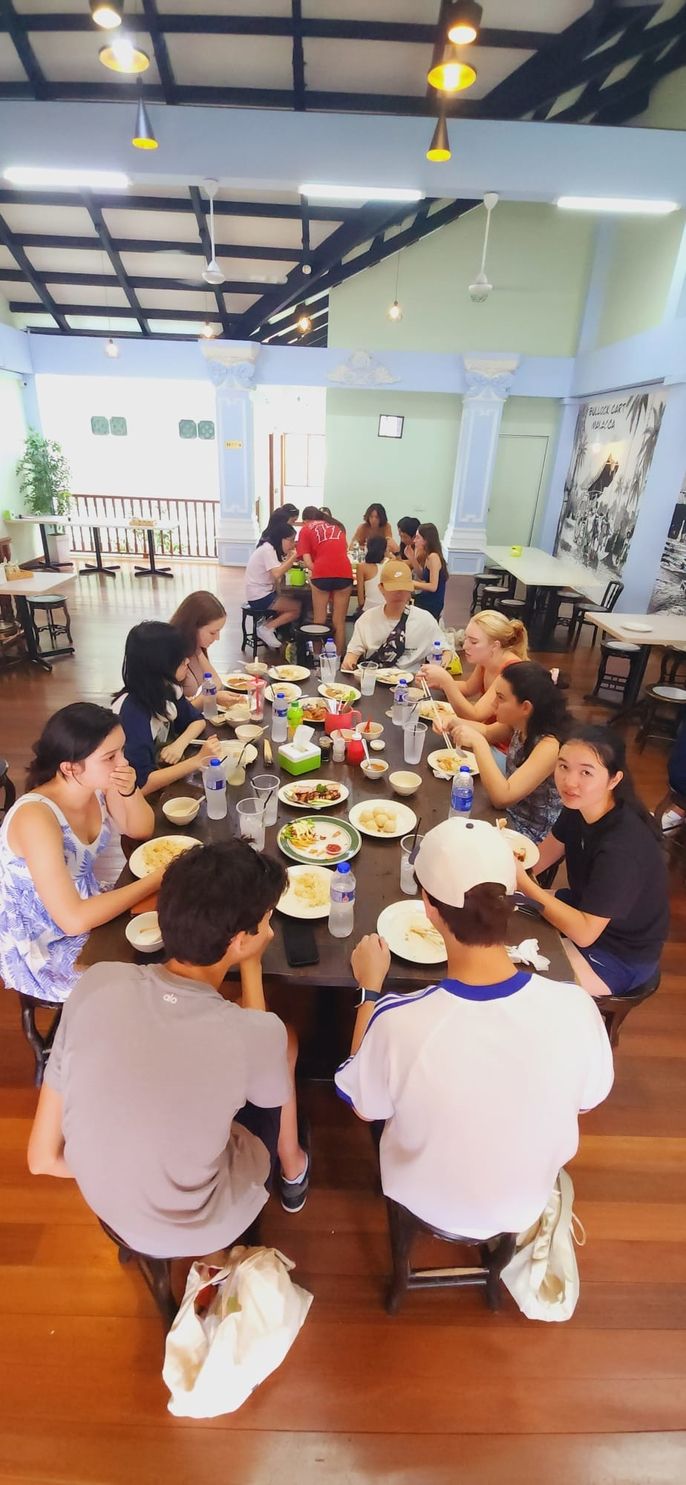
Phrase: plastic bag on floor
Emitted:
{"points": [[543, 1276], [235, 1326]]}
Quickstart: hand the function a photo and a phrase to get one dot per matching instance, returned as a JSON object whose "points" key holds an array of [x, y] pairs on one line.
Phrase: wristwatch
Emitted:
{"points": [[367, 996]]}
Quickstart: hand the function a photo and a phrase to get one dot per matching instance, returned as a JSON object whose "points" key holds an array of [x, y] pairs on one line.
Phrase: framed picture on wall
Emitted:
{"points": [[390, 426]]}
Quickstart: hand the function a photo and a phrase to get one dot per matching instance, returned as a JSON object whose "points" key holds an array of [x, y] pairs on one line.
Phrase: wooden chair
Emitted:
{"points": [[489, 576], [607, 680], [57, 621], [404, 1227], [157, 1272], [614, 1009], [40, 1043], [249, 622], [306, 634], [610, 597]]}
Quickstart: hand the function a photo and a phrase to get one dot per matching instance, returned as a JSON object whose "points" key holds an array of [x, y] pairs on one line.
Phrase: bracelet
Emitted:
{"points": [[130, 793]]}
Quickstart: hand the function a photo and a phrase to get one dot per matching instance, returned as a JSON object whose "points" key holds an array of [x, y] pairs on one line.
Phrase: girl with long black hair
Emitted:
{"points": [[153, 710]]}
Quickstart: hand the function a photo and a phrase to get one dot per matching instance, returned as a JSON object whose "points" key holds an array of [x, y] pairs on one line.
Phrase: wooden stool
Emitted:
{"points": [[52, 605], [9, 792], [41, 1046], [306, 634], [613, 649], [488, 577], [250, 640], [663, 709], [155, 1271], [614, 1009], [404, 1226]]}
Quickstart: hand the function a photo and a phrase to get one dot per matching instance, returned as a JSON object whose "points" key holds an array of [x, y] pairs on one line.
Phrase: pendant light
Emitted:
{"points": [[107, 13], [394, 311], [439, 150], [143, 134], [122, 56], [303, 320], [463, 24], [451, 74]]}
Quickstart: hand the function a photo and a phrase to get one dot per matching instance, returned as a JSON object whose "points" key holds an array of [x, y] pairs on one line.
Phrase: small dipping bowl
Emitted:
{"points": [[143, 933], [181, 810], [374, 768], [249, 731], [377, 745], [256, 667], [403, 782]]}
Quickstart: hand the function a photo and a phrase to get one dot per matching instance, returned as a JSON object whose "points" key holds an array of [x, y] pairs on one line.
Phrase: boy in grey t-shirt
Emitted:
{"points": [[166, 1103]]}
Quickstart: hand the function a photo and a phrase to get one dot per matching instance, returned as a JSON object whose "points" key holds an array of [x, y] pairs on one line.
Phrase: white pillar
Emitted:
{"points": [[232, 370], [488, 385]]}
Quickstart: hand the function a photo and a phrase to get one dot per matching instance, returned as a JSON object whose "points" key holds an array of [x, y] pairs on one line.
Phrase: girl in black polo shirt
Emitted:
{"points": [[615, 911]]}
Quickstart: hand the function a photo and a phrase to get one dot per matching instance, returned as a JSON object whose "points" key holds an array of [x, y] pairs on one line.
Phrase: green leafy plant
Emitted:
{"points": [[44, 476]]}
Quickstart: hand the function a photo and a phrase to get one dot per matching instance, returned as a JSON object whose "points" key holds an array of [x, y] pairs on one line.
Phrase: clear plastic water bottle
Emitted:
{"points": [[462, 793], [280, 718], [215, 789], [329, 661], [436, 655], [209, 697], [342, 909], [401, 702]]}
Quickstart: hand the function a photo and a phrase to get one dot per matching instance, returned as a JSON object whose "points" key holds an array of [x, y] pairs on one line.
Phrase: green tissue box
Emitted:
{"points": [[297, 762]]}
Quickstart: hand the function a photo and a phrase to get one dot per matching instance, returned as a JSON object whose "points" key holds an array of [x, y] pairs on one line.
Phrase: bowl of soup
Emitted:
{"points": [[181, 810], [404, 782]]}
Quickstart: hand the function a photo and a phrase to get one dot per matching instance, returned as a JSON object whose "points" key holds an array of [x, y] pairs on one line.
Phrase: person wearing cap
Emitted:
{"points": [[396, 632], [480, 1077]]}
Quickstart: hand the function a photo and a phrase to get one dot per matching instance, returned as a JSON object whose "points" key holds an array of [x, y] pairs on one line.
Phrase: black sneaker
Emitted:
{"points": [[294, 1193]]}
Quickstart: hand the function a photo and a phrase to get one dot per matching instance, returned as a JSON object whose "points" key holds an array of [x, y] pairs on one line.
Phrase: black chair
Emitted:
{"points": [[489, 576], [9, 792], [249, 622], [39, 1042], [614, 1009], [404, 1227], [57, 622], [612, 592], [612, 681]]}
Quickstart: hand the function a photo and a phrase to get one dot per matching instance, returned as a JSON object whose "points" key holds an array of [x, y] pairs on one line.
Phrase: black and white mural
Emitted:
{"points": [[670, 584]]}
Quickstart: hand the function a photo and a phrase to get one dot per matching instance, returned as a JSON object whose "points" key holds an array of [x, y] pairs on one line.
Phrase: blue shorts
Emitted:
{"points": [[266, 1125], [262, 605], [620, 977]]}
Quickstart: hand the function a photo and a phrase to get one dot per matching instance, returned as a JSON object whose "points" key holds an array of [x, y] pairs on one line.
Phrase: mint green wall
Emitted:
{"points": [[667, 107], [12, 435], [640, 274], [412, 475], [538, 260], [526, 447]]}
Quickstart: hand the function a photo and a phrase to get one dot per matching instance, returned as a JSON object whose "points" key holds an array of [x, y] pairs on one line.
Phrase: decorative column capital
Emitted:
{"points": [[489, 380], [231, 367]]}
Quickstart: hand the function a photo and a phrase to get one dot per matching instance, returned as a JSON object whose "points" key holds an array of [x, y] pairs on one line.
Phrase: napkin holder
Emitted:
{"points": [[300, 755]]}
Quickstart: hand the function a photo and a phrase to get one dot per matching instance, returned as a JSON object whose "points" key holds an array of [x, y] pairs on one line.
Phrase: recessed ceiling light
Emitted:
{"points": [[122, 56], [621, 204], [464, 20], [359, 193], [37, 175], [107, 13]]}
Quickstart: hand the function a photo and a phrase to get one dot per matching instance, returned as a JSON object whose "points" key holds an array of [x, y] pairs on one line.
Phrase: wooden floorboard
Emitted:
{"points": [[444, 1392]]}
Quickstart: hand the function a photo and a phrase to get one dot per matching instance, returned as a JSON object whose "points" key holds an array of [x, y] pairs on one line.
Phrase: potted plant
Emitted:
{"points": [[44, 479]]}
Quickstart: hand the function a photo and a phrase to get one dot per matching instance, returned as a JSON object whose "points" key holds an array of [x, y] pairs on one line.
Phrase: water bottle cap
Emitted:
{"points": [[207, 675], [402, 682], [344, 866], [215, 762], [464, 768]]}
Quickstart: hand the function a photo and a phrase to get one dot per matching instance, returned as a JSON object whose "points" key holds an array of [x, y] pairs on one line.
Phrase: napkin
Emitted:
{"points": [[528, 953], [302, 738]]}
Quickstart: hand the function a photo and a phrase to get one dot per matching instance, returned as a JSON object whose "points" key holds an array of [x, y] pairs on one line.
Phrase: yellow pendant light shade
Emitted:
{"points": [[463, 22], [143, 134], [106, 13], [122, 56], [439, 150], [451, 75], [303, 322]]}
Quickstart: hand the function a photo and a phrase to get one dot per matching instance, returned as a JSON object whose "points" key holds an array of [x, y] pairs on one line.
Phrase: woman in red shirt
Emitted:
{"points": [[323, 546]]}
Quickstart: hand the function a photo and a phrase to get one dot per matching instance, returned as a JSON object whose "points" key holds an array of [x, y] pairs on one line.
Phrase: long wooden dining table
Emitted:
{"points": [[319, 999]]}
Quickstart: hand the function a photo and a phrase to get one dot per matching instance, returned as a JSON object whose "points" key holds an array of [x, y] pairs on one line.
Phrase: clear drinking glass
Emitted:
{"points": [[266, 787], [413, 741], [408, 880], [328, 666], [368, 678], [251, 821]]}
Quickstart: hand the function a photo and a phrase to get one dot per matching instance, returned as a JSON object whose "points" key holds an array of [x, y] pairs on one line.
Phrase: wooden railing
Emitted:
{"points": [[196, 536]]}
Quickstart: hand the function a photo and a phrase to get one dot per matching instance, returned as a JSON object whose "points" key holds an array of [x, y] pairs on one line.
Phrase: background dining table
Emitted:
{"points": [[319, 999]]}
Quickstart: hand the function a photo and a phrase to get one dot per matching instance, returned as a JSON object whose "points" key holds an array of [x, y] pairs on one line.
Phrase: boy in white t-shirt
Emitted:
{"points": [[481, 1077]]}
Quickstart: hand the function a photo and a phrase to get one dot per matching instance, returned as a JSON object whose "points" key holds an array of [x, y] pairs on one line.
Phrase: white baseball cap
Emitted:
{"points": [[461, 854]]}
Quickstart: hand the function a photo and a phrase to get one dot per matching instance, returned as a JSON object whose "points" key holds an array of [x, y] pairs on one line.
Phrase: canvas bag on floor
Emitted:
{"points": [[214, 1360], [543, 1276]]}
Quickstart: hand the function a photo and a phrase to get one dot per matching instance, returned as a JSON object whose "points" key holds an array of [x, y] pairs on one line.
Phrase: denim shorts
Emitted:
{"points": [[620, 977], [262, 605]]}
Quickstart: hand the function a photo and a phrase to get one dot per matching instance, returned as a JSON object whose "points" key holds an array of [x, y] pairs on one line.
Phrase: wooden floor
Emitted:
{"points": [[446, 1391]]}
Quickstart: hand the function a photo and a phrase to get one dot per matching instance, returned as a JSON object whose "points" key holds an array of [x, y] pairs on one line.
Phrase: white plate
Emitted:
{"points": [[463, 756], [389, 676], [393, 924], [290, 691], [238, 681], [296, 907], [335, 691], [289, 673], [405, 818], [521, 842], [637, 628], [232, 750], [331, 804], [178, 843], [308, 701], [427, 711]]}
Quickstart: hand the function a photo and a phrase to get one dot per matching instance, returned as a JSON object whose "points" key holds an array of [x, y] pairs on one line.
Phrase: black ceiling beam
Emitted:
{"points": [[137, 281], [411, 105], [118, 312], [8, 239], [326, 30], [206, 244], [608, 102], [106, 333], [12, 24], [298, 57], [152, 245], [128, 201], [108, 246], [376, 253], [159, 46]]}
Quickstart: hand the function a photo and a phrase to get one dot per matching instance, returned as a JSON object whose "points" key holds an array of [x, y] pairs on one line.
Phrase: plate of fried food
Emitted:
{"points": [[289, 673], [313, 794], [155, 855], [319, 838], [308, 894], [385, 821], [430, 710], [447, 761], [409, 934], [335, 691], [289, 691], [315, 711], [525, 851], [387, 676]]}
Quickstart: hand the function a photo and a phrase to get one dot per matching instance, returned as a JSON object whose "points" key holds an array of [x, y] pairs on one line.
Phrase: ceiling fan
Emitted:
{"points": [[212, 273]]}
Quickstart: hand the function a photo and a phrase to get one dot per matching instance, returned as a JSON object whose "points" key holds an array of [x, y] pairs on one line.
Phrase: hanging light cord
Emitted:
{"points": [[397, 275], [489, 209]]}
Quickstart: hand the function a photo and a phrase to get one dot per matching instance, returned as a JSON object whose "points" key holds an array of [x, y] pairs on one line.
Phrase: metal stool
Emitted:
{"points": [[41, 1045], [52, 604], [251, 640], [614, 1009], [613, 649], [404, 1226]]}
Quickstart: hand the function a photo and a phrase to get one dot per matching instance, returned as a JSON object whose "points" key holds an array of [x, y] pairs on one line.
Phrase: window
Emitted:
{"points": [[390, 426]]}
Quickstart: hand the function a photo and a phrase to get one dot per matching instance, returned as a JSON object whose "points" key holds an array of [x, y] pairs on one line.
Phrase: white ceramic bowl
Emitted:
{"points": [[249, 730], [375, 768], [404, 782], [256, 667], [377, 745], [181, 810], [143, 933]]}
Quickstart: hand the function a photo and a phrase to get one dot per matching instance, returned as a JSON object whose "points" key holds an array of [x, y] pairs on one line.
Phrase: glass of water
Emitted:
{"points": [[368, 677], [413, 741], [266, 787], [251, 821], [408, 880]]}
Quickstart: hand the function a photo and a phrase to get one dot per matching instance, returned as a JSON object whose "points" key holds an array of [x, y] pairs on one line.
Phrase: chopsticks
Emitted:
{"points": [[450, 746], [414, 847]]}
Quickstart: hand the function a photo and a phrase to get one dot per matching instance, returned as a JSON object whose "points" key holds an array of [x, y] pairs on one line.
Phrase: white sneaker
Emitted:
{"points": [[268, 637], [672, 819]]}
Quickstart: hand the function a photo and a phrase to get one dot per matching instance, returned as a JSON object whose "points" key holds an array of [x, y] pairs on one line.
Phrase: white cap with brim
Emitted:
{"points": [[461, 854]]}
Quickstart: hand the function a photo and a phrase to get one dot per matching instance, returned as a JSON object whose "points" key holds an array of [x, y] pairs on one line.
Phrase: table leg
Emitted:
{"points": [[152, 570], [98, 565], [630, 704], [47, 563], [33, 654]]}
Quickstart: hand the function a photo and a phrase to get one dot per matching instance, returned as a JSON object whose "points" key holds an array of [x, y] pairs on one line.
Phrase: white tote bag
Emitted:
{"points": [[543, 1276], [251, 1316]]}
